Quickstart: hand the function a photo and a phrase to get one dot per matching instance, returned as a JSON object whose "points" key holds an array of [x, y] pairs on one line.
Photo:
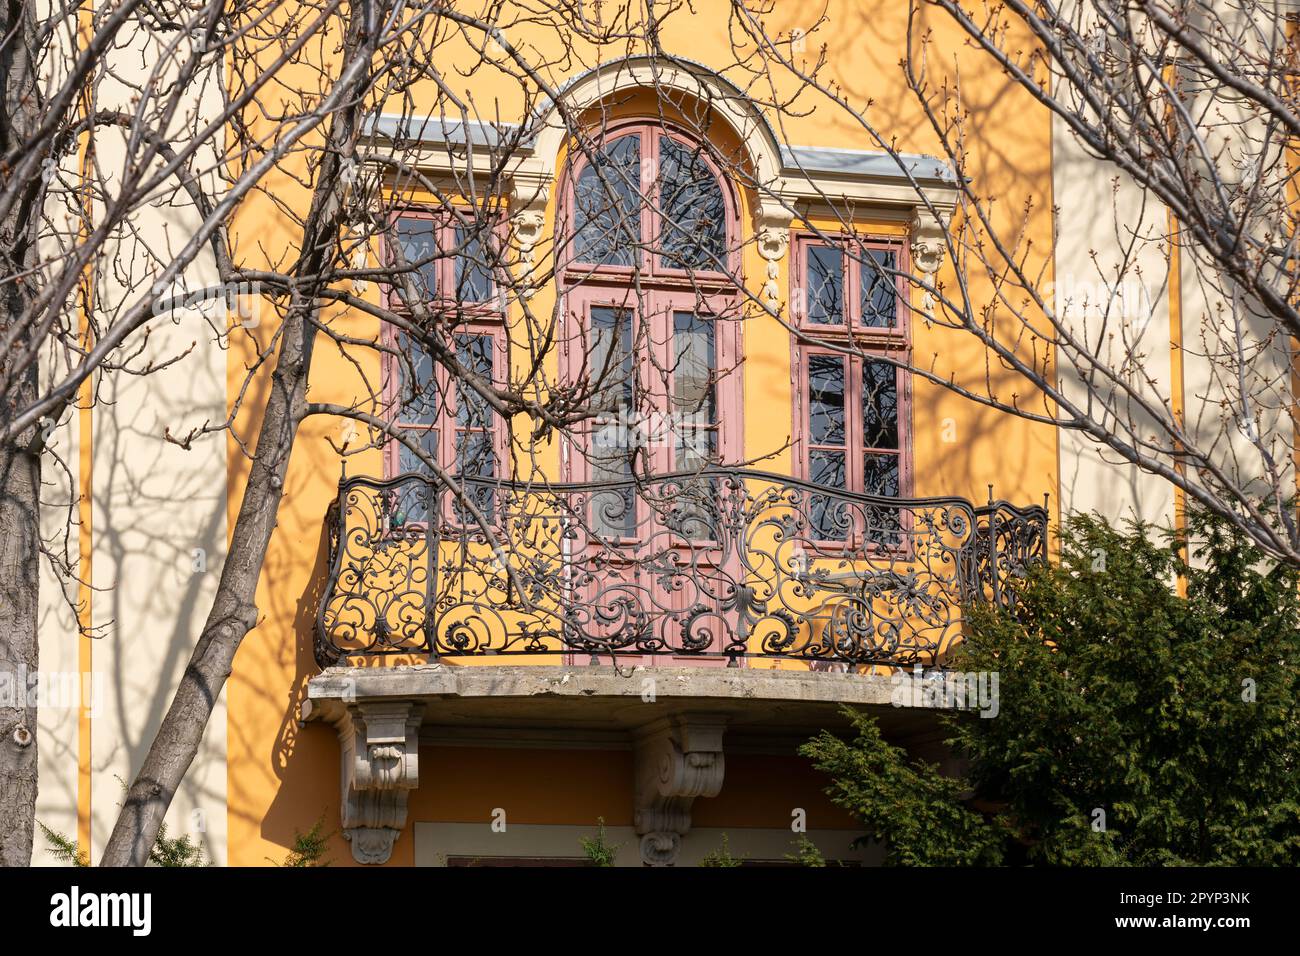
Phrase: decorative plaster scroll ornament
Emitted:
{"points": [[527, 227], [380, 751], [359, 239], [677, 759], [773, 241], [929, 242], [530, 188]]}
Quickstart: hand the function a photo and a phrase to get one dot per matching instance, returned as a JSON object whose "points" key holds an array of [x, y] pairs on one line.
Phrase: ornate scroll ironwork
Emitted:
{"points": [[721, 564]]}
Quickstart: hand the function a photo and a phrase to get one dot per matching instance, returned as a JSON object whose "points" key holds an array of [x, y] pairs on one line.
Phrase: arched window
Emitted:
{"points": [[647, 198], [649, 243]]}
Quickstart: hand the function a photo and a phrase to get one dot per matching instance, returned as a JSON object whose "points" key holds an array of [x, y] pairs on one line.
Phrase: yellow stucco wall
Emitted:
{"points": [[283, 775]]}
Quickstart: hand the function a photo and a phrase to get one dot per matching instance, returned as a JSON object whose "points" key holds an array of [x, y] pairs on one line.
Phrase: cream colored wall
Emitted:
{"points": [[156, 506], [1214, 318], [56, 722], [59, 643], [153, 505], [1093, 211], [1180, 331], [160, 517]]}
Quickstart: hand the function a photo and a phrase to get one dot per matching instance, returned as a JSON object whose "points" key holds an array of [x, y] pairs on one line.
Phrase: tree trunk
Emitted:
{"points": [[20, 473], [19, 554]]}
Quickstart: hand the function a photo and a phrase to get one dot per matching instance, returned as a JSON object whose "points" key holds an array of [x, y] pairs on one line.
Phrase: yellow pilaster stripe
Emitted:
{"points": [[85, 484], [1176, 387], [1177, 394]]}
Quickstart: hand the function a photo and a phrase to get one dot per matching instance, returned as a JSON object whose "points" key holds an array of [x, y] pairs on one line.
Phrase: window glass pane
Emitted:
{"points": [[610, 363], [694, 414], [693, 512], [417, 387], [692, 508], [417, 236], [607, 201], [826, 399], [880, 475], [693, 212], [825, 285], [473, 274], [475, 454], [613, 514], [826, 468], [427, 440], [879, 288], [613, 510], [475, 458], [474, 352], [879, 405], [412, 501], [831, 518]]}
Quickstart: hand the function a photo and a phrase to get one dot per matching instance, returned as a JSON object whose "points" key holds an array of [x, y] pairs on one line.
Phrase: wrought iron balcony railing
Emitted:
{"points": [[723, 564]]}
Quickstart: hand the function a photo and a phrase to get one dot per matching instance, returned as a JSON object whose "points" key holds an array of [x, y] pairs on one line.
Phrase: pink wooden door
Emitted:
{"points": [[664, 371]]}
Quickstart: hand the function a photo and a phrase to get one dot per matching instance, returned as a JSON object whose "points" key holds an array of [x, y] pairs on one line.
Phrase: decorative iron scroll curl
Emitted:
{"points": [[720, 563], [1010, 540]]}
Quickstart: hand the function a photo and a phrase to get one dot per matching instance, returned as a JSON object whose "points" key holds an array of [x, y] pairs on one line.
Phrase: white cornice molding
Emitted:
{"points": [[863, 178], [842, 182]]}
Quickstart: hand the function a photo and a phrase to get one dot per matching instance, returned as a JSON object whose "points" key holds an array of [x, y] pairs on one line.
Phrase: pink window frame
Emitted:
{"points": [[728, 402], [872, 342], [894, 337], [649, 269], [448, 397], [444, 239], [855, 447], [659, 292], [483, 318], [660, 304]]}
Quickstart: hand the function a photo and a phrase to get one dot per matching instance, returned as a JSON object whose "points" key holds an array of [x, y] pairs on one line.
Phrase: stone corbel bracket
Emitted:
{"points": [[772, 231], [929, 243], [530, 190], [676, 760], [380, 763]]}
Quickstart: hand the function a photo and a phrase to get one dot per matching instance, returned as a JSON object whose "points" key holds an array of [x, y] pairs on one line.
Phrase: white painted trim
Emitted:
{"points": [[435, 842]]}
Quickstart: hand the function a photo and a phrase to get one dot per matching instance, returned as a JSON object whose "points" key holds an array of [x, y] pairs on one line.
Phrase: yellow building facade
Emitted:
{"points": [[670, 753], [403, 682]]}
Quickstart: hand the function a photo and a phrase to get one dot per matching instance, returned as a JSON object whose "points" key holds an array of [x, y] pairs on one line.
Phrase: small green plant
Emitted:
{"points": [[806, 853], [62, 848], [309, 848], [721, 856], [910, 804], [181, 851], [599, 850], [1138, 723]]}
